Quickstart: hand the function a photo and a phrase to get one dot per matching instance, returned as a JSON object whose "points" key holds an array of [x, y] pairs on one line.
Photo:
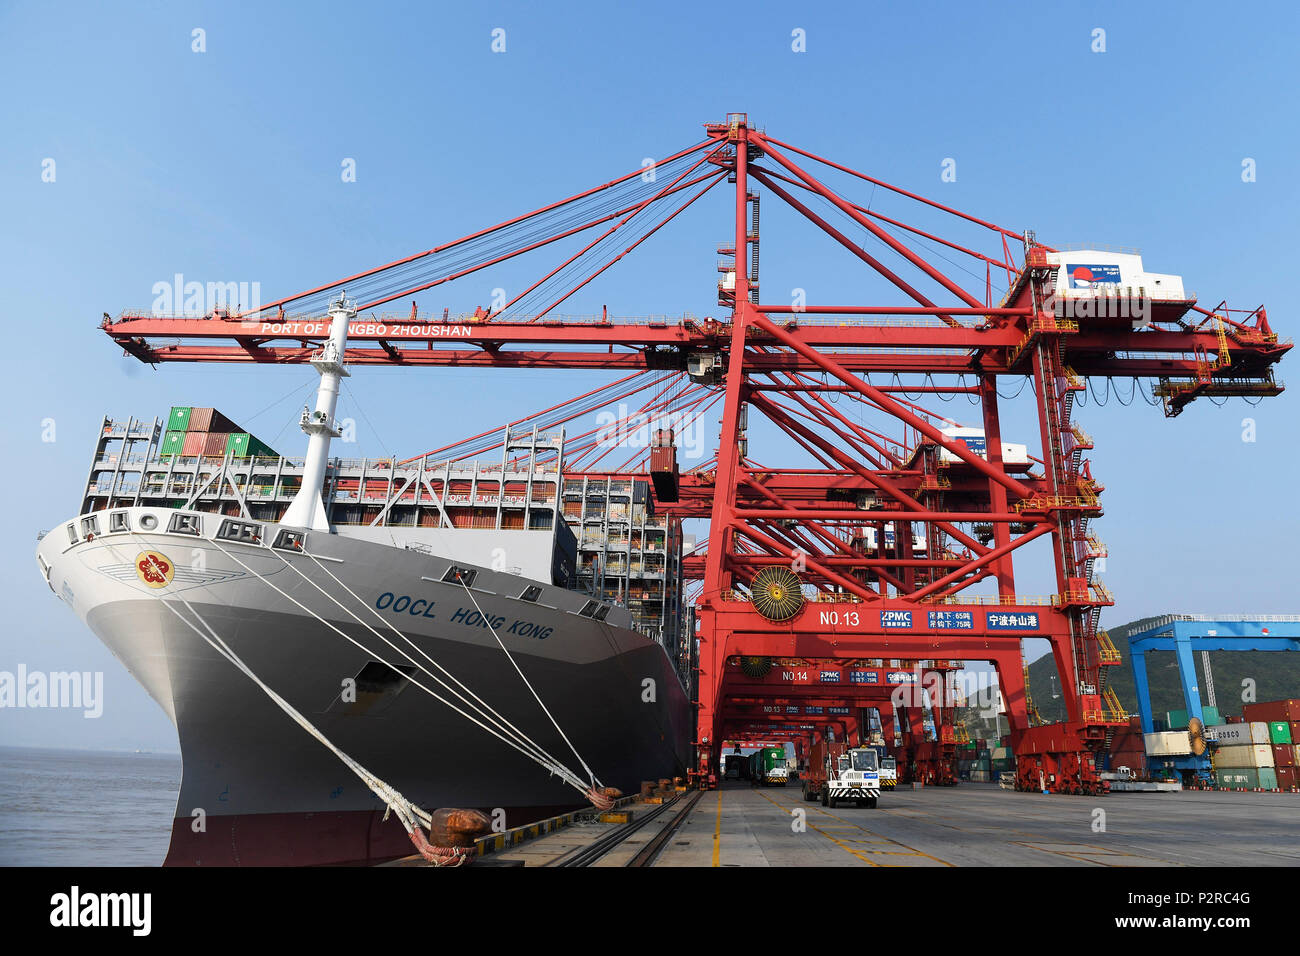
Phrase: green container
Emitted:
{"points": [[172, 443], [261, 449], [1279, 732], [1210, 716], [179, 418], [244, 445], [1176, 720], [1245, 778], [1267, 778]]}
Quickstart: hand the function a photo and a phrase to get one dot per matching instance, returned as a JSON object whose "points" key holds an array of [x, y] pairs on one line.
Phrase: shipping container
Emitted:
{"points": [[1279, 732], [1287, 710], [1284, 755], [1172, 743], [1267, 778], [1229, 734], [1176, 719], [215, 445], [1258, 732], [178, 420], [1288, 778], [1251, 755], [1210, 715], [200, 419], [210, 420], [260, 449], [194, 442], [1245, 778], [173, 443], [244, 445]]}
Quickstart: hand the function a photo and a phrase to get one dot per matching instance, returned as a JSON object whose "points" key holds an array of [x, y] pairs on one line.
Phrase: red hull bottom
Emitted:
{"points": [[305, 839]]}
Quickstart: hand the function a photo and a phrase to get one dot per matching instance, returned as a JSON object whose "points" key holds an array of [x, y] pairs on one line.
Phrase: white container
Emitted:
{"points": [[1171, 743], [1259, 733], [1241, 757], [1226, 735]]}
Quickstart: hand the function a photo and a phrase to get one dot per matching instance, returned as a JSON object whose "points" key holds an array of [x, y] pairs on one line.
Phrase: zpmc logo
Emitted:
{"points": [[154, 569]]}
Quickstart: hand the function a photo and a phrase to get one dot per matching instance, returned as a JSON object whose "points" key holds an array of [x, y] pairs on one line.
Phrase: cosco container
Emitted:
{"points": [[1250, 755], [1229, 734]]}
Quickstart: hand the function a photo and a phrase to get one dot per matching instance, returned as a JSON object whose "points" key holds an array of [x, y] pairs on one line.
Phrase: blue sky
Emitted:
{"points": [[225, 165]]}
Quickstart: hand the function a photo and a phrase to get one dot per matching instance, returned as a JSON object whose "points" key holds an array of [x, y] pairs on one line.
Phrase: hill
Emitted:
{"points": [[1276, 676]]}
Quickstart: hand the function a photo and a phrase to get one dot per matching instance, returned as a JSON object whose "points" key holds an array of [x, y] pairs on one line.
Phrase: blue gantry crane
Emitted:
{"points": [[1185, 633]]}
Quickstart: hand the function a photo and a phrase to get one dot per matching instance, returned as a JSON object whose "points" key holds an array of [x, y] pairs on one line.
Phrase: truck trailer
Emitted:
{"points": [[837, 773]]}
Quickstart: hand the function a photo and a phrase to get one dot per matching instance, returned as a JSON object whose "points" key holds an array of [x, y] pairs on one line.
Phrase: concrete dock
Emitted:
{"points": [[982, 825]]}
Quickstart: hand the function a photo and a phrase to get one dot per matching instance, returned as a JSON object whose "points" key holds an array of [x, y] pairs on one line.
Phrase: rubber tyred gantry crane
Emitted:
{"points": [[891, 537]]}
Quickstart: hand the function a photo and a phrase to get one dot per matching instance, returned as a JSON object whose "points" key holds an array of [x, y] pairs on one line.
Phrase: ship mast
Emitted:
{"points": [[308, 509]]}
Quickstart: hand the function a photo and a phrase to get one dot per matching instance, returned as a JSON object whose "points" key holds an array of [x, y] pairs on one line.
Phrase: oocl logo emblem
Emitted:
{"points": [[154, 569]]}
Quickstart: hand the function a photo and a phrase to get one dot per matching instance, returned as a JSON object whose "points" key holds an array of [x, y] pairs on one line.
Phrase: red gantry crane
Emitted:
{"points": [[892, 538]]}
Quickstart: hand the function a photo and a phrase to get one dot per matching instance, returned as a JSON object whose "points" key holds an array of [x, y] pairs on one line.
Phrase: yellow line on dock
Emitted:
{"points": [[717, 830], [906, 851]]}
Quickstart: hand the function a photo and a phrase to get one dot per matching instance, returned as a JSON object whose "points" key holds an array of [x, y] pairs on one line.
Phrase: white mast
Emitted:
{"points": [[308, 509]]}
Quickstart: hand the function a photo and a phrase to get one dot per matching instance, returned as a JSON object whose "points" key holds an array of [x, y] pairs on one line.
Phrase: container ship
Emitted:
{"points": [[343, 585]]}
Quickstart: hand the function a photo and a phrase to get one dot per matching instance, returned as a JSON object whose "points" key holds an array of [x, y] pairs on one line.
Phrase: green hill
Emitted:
{"points": [[1276, 676]]}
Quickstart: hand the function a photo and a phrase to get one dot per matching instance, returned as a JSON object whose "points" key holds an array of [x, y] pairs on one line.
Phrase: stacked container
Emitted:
{"points": [[1127, 748], [1236, 778], [1170, 743], [1243, 756], [205, 432]]}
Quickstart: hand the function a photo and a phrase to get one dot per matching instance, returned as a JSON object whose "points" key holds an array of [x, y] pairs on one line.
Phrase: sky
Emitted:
{"points": [[136, 149]]}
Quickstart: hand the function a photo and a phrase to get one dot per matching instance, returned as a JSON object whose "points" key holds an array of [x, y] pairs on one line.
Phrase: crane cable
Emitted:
{"points": [[555, 767], [551, 761]]}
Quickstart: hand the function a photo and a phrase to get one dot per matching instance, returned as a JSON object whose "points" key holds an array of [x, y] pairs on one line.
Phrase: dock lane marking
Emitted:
{"points": [[1091, 853], [717, 830], [860, 854]]}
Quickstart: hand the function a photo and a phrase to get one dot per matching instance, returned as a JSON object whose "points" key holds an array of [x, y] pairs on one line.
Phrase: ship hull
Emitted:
{"points": [[257, 789]]}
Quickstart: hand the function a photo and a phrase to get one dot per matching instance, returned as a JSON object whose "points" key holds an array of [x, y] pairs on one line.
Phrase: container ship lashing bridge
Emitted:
{"points": [[884, 554]]}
